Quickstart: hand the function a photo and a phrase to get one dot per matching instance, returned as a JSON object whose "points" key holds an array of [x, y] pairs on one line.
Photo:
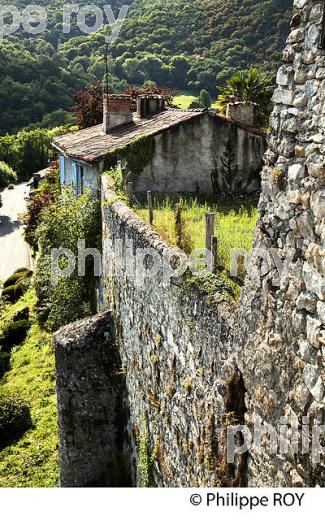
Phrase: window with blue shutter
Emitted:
{"points": [[77, 177], [74, 174], [80, 179], [62, 169]]}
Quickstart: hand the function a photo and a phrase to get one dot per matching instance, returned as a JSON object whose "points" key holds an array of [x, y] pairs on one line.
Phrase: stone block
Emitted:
{"points": [[89, 399]]}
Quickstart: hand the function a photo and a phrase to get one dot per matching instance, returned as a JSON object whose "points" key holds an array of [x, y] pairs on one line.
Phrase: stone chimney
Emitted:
{"points": [[149, 104], [245, 113], [118, 110]]}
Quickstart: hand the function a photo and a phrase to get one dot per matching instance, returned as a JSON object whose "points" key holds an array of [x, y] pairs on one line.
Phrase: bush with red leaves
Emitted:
{"points": [[45, 196], [88, 107]]}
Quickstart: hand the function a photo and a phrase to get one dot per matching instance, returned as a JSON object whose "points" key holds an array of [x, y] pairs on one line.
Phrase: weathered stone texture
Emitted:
{"points": [[89, 400], [194, 366], [194, 151], [176, 347], [283, 349], [190, 158]]}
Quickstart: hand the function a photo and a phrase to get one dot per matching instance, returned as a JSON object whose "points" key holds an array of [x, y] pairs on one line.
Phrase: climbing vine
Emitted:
{"points": [[137, 154]]}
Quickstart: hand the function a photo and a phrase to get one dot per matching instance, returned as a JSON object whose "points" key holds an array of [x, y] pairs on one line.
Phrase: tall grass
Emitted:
{"points": [[235, 222], [33, 460]]}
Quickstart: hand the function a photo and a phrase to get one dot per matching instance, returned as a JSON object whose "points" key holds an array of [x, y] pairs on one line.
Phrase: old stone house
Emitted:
{"points": [[166, 149], [194, 365]]}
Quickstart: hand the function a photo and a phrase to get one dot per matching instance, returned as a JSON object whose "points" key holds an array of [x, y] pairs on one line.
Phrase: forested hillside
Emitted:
{"points": [[192, 44]]}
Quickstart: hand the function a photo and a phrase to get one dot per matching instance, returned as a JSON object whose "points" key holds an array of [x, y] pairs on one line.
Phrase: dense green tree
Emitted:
{"points": [[194, 45], [7, 175], [252, 85], [205, 99], [62, 224], [27, 152]]}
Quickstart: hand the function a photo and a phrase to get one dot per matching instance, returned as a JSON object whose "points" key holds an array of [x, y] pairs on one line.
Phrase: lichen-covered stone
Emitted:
{"points": [[295, 308], [176, 345], [195, 364], [89, 396]]}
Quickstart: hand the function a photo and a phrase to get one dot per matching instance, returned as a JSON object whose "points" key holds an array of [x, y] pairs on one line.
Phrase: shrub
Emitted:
{"points": [[17, 276], [15, 292], [68, 303], [23, 314], [40, 201], [43, 287], [21, 270], [9, 294], [195, 104], [46, 196], [21, 287], [7, 175], [16, 285], [4, 363], [69, 219], [15, 418], [205, 99], [14, 334]]}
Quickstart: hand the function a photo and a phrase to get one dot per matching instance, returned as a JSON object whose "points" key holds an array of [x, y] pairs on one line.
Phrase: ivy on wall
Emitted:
{"points": [[137, 154]]}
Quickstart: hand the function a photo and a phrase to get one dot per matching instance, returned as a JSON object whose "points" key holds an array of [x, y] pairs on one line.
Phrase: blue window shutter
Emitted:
{"points": [[78, 179], [62, 169], [74, 174]]}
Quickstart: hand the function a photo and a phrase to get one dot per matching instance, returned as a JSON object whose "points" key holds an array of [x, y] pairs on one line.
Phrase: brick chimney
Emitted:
{"points": [[149, 104], [245, 113], [118, 110]]}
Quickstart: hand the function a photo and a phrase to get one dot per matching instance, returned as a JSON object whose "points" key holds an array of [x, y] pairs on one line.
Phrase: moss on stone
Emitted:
{"points": [[212, 284], [188, 385], [145, 458], [112, 201]]}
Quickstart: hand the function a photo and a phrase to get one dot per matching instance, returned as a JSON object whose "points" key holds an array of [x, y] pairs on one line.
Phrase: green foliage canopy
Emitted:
{"points": [[192, 44], [252, 85], [7, 175], [69, 219]]}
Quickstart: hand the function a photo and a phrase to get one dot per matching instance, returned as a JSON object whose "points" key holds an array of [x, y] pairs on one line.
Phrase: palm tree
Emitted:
{"points": [[252, 85]]}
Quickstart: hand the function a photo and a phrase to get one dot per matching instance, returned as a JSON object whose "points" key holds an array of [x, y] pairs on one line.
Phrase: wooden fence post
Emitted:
{"points": [[209, 233], [150, 206], [130, 193]]}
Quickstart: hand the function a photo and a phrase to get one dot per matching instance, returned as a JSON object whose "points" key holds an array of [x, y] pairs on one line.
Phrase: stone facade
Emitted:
{"points": [[175, 344], [192, 151], [195, 364], [205, 155], [90, 393], [283, 306], [245, 113]]}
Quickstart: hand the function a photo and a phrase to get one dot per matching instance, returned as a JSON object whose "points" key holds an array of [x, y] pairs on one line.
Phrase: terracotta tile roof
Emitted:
{"points": [[92, 144]]}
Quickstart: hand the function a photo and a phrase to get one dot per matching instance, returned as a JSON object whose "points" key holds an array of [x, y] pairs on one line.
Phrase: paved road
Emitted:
{"points": [[14, 252]]}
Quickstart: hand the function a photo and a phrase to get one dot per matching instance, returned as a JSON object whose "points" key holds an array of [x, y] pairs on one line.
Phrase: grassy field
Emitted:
{"points": [[235, 223], [184, 99], [32, 461]]}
